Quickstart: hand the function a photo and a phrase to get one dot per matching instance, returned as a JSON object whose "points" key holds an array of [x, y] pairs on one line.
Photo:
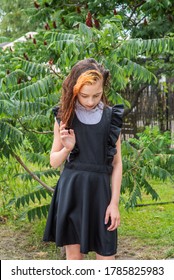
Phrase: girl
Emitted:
{"points": [[84, 213]]}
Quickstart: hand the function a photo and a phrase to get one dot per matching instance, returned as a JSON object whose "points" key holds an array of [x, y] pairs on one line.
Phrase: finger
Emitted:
{"points": [[106, 218], [111, 228], [62, 125], [64, 137], [71, 132], [62, 128], [112, 225], [64, 132]]}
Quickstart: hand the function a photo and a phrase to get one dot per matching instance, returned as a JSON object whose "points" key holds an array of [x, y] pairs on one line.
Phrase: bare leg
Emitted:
{"points": [[73, 252], [99, 257]]}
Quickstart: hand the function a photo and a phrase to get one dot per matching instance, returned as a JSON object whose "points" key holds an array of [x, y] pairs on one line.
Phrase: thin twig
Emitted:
{"points": [[33, 130], [139, 21], [35, 177], [135, 7], [55, 72]]}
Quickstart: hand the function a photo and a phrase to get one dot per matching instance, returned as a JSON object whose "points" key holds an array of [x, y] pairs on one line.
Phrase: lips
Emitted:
{"points": [[89, 108]]}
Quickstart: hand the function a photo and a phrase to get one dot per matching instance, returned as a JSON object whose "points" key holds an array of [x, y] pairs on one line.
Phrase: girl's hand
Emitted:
{"points": [[67, 137], [112, 214]]}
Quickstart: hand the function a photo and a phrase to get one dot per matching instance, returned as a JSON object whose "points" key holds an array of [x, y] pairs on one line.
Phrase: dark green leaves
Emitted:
{"points": [[144, 158]]}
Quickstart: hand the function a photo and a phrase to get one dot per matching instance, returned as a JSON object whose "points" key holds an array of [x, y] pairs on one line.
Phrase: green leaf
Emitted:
{"points": [[18, 202], [85, 32], [32, 196], [38, 211], [38, 195]]}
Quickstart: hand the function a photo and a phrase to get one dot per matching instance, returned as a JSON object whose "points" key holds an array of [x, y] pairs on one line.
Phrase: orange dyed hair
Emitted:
{"points": [[86, 71], [87, 78]]}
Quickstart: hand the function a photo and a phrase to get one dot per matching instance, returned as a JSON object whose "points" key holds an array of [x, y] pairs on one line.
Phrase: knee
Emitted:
{"points": [[73, 252]]}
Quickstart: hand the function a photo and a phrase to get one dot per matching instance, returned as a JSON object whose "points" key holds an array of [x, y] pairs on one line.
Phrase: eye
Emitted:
{"points": [[97, 95]]}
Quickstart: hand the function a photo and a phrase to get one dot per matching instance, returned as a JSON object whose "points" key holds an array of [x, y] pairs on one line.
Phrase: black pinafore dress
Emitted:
{"points": [[83, 191]]}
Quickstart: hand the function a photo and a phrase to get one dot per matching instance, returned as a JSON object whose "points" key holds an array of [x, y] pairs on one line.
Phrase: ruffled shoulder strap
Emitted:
{"points": [[116, 120], [55, 111], [117, 115]]}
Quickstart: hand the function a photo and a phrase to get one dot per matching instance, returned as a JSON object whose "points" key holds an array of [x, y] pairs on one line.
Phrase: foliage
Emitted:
{"points": [[35, 197], [32, 73], [14, 21], [143, 19], [144, 158]]}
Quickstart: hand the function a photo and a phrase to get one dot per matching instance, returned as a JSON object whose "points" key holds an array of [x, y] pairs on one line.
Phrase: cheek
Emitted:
{"points": [[80, 100], [98, 99]]}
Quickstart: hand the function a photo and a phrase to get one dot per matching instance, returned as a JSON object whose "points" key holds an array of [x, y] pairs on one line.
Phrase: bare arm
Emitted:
{"points": [[116, 175], [63, 144], [112, 211]]}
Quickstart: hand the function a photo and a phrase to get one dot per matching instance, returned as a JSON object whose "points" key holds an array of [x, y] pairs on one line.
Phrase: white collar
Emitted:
{"points": [[99, 106]]}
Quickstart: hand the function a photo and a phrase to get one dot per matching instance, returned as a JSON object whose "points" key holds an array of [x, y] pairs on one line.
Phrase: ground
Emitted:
{"points": [[17, 245]]}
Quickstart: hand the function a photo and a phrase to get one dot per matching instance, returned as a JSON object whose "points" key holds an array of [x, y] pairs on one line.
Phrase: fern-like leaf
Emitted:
{"points": [[150, 190], [26, 199], [44, 173], [38, 212], [38, 158], [27, 108], [39, 88], [12, 79], [134, 47], [134, 195], [33, 68], [139, 72], [10, 132]]}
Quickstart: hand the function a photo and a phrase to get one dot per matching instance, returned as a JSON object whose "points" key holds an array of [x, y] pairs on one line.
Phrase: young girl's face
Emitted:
{"points": [[90, 95]]}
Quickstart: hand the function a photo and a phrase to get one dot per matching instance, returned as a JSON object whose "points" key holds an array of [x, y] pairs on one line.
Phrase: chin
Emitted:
{"points": [[89, 108]]}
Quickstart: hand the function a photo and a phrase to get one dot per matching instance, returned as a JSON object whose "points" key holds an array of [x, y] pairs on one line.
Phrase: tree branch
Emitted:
{"points": [[35, 177], [135, 7], [135, 100], [33, 130], [140, 20]]}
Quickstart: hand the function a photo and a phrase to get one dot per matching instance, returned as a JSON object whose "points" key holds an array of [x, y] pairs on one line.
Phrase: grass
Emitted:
{"points": [[150, 223], [152, 226], [145, 232]]}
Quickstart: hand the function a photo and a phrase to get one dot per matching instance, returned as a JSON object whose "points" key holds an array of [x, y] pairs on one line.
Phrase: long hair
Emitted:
{"points": [[86, 71]]}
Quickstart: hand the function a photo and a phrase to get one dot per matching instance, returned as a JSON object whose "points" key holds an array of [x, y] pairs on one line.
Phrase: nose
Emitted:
{"points": [[90, 102]]}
